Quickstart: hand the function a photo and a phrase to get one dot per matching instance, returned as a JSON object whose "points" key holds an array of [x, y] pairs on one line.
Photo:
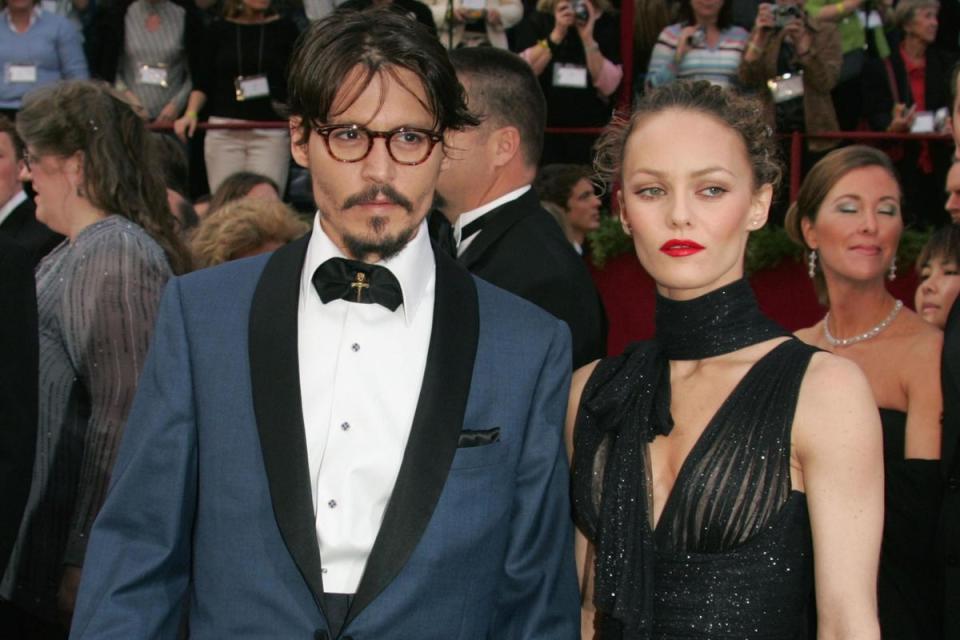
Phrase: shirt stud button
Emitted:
{"points": [[332, 504], [355, 346], [345, 426]]}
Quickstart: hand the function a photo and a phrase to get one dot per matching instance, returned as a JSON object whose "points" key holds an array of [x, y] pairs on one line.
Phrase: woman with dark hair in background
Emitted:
{"points": [[243, 184], [242, 79], [570, 187], [716, 465], [704, 45], [98, 183], [938, 266], [848, 218]]}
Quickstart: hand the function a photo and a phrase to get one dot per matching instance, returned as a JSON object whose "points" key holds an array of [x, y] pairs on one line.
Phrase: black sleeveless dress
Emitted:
{"points": [[909, 597], [732, 551]]}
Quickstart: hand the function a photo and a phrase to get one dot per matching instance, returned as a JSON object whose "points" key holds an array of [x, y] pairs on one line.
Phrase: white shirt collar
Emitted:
{"points": [[34, 15], [470, 216], [413, 266], [11, 204]]}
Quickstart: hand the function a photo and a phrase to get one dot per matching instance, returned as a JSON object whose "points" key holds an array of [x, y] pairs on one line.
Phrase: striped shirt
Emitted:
{"points": [[718, 65], [97, 298], [162, 47]]}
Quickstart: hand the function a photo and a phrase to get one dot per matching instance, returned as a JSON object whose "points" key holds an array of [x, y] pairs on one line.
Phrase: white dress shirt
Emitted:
{"points": [[361, 367], [470, 216], [11, 204]]}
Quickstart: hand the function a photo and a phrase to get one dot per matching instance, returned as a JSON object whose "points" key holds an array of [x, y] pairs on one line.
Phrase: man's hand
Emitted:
{"points": [[67, 594], [902, 118], [167, 115], [186, 126]]}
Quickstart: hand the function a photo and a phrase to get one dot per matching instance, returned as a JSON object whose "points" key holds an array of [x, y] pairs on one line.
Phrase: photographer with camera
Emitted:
{"points": [[704, 45], [793, 62], [475, 23], [573, 46]]}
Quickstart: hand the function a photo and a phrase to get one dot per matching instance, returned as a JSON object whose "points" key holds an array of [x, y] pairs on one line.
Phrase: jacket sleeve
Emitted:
{"points": [[139, 557], [539, 596], [821, 67]]}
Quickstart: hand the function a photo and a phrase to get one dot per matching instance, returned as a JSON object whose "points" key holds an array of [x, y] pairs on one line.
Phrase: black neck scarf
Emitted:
{"points": [[629, 406]]}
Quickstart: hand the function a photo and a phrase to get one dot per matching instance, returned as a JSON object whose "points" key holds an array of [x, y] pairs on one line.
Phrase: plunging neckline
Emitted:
{"points": [[696, 451]]}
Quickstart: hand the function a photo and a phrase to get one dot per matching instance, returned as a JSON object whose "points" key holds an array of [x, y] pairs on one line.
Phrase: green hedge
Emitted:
{"points": [[768, 247]]}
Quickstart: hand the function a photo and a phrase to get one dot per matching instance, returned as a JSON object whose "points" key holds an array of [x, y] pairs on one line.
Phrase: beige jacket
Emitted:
{"points": [[511, 12]]}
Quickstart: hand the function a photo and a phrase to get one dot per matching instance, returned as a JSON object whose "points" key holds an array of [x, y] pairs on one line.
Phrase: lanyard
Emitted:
{"points": [[240, 56]]}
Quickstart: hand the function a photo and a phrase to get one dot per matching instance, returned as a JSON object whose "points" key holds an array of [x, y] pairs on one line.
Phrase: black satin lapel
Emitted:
{"points": [[498, 223], [436, 428], [275, 378]]}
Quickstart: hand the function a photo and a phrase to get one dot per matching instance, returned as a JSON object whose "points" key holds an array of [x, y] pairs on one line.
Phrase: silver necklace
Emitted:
{"points": [[872, 332]]}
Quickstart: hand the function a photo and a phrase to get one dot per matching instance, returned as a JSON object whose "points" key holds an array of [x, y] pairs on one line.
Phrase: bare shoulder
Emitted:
{"points": [[917, 345], [577, 384], [835, 405], [810, 334]]}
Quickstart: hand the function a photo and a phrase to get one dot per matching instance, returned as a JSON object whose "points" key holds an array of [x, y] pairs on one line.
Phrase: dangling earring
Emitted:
{"points": [[812, 263], [893, 270]]}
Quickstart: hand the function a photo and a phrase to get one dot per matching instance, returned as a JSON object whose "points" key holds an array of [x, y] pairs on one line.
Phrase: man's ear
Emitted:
{"points": [[507, 143], [298, 142]]}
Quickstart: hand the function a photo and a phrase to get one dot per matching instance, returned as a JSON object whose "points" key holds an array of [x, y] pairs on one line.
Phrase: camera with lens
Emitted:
{"points": [[581, 12], [784, 15]]}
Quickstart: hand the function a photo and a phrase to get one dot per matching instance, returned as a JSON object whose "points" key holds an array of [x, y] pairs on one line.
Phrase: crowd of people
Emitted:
{"points": [[396, 416]]}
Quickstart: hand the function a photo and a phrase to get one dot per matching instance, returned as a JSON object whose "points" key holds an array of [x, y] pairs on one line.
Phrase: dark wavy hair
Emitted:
{"points": [[944, 245], [238, 185], [742, 114], [377, 41], [555, 182], [818, 183], [121, 171]]}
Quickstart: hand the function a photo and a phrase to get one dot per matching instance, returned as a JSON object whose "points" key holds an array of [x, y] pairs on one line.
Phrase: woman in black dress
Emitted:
{"points": [[848, 218], [716, 465]]}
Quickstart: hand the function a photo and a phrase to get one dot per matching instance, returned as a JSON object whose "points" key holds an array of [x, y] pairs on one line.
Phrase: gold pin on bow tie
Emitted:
{"points": [[359, 283]]}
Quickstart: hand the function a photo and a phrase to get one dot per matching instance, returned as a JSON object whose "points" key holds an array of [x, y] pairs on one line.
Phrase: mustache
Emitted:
{"points": [[373, 191]]}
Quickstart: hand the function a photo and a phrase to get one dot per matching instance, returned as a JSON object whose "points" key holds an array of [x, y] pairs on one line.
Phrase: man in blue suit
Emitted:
{"points": [[351, 437]]}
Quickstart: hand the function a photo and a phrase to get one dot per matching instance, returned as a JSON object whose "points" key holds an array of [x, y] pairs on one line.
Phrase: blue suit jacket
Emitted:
{"points": [[210, 500]]}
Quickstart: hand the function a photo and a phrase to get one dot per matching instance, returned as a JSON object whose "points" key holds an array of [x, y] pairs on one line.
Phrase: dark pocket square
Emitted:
{"points": [[478, 438]]}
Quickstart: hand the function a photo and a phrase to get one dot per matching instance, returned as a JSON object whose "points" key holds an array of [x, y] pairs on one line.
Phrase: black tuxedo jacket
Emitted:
{"points": [[18, 388], [22, 226], [523, 250], [950, 460]]}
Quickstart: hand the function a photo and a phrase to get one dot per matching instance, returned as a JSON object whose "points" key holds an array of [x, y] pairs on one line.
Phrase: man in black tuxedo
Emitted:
{"points": [[18, 389], [950, 460], [501, 231], [17, 211]]}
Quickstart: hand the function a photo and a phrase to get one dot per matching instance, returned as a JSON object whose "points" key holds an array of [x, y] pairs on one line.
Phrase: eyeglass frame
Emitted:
{"points": [[324, 132]]}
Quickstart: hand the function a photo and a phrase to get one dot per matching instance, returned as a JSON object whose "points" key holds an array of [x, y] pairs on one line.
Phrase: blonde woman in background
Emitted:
{"points": [[244, 228]]}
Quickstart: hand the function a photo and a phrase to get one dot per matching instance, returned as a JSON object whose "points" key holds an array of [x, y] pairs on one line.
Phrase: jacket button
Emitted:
{"points": [[953, 484]]}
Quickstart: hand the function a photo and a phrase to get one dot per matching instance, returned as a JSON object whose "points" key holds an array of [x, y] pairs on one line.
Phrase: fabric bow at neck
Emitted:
{"points": [[354, 281]]}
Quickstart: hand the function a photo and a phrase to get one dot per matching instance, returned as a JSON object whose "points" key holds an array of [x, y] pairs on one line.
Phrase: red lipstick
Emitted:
{"points": [[680, 248]]}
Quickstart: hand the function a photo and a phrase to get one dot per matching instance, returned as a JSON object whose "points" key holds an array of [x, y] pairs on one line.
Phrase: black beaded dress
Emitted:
{"points": [[731, 556]]}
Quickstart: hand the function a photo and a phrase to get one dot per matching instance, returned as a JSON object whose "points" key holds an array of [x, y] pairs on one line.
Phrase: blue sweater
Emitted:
{"points": [[52, 43]]}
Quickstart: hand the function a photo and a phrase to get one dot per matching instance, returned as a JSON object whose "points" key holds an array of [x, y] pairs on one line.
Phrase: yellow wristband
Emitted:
{"points": [[191, 114], [543, 43], [841, 8]]}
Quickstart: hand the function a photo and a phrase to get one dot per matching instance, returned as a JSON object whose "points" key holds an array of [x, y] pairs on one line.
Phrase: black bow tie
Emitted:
{"points": [[339, 278]]}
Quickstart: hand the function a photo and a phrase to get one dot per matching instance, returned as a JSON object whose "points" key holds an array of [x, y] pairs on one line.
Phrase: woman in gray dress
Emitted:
{"points": [[98, 184]]}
